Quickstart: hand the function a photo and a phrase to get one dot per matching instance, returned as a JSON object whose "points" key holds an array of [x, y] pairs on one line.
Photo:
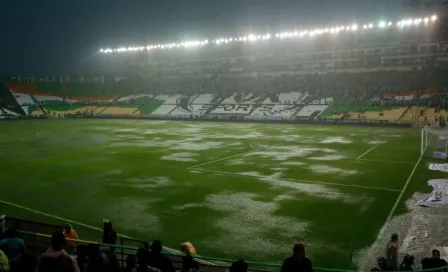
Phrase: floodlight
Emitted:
{"points": [[354, 27], [252, 37], [382, 24], [434, 17]]}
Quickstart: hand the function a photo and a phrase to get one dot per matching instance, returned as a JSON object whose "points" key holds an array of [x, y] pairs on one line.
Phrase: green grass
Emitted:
{"points": [[249, 205]]}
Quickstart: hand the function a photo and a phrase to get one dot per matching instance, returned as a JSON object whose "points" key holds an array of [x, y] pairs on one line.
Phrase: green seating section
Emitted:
{"points": [[150, 106], [363, 108], [338, 107]]}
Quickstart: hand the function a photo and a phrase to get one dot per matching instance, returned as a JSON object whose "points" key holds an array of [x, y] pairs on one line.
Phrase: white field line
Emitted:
{"points": [[399, 162], [255, 149], [80, 224], [365, 153], [252, 145], [394, 207], [306, 181], [222, 159]]}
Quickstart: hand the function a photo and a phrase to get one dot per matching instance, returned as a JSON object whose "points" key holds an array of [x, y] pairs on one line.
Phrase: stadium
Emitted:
{"points": [[331, 136]]}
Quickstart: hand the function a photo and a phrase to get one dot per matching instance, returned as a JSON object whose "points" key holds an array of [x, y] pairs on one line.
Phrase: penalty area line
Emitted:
{"points": [[81, 224], [252, 146], [365, 153], [222, 159], [301, 180]]}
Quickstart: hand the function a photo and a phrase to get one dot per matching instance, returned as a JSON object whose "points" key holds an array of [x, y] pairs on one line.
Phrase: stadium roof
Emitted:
{"points": [[250, 38]]}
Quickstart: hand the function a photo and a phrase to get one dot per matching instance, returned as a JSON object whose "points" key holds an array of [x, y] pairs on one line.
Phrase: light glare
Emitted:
{"points": [[281, 35]]}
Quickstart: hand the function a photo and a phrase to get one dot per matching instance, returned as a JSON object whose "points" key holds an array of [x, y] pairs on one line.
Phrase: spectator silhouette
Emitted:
{"points": [[4, 263], [143, 258], [298, 262], [131, 263], [97, 261], [70, 233], [434, 262], [188, 263], [238, 266], [13, 247], [382, 264], [392, 252], [2, 226], [109, 234], [407, 263], [56, 259], [158, 260], [81, 260]]}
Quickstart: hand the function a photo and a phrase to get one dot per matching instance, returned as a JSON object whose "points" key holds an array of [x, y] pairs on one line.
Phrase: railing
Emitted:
{"points": [[38, 242]]}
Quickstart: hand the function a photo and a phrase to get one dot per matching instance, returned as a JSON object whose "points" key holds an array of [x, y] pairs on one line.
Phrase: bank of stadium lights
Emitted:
{"points": [[281, 35]]}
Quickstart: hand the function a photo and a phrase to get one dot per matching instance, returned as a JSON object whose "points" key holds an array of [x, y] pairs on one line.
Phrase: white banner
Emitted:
{"points": [[443, 167], [439, 194]]}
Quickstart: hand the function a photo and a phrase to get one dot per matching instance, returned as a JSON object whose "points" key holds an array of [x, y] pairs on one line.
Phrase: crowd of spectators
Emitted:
{"points": [[66, 253], [354, 85], [391, 262]]}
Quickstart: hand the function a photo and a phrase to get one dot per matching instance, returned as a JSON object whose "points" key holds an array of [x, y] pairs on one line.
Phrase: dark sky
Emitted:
{"points": [[62, 36]]}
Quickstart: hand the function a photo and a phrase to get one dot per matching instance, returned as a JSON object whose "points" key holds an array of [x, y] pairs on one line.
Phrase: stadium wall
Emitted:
{"points": [[238, 119]]}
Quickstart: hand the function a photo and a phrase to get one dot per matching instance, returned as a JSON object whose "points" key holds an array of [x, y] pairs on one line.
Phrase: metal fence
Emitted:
{"points": [[37, 239]]}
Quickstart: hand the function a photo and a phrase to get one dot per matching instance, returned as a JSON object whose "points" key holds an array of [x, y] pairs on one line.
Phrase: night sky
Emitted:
{"points": [[46, 37]]}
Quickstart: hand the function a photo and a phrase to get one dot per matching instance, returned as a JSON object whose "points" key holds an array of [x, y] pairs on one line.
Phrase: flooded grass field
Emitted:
{"points": [[233, 190]]}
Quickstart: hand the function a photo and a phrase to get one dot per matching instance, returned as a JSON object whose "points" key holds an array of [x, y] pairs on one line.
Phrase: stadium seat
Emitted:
{"points": [[117, 110], [311, 110]]}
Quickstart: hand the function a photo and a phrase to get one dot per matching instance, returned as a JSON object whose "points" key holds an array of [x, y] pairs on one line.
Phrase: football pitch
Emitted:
{"points": [[232, 189]]}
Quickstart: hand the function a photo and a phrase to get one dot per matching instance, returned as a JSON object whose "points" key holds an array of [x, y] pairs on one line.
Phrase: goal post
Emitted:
{"points": [[434, 142]]}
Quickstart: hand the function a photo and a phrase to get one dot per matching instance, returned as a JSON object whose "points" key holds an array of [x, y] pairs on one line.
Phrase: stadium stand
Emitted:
{"points": [[394, 75], [311, 111], [9, 106]]}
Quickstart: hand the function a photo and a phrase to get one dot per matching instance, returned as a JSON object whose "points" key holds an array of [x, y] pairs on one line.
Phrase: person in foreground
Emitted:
{"points": [[188, 262], [158, 260], [238, 266], [407, 263], [434, 262], [298, 262], [56, 259], [4, 263], [70, 233], [392, 252], [382, 265], [143, 258], [14, 247]]}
